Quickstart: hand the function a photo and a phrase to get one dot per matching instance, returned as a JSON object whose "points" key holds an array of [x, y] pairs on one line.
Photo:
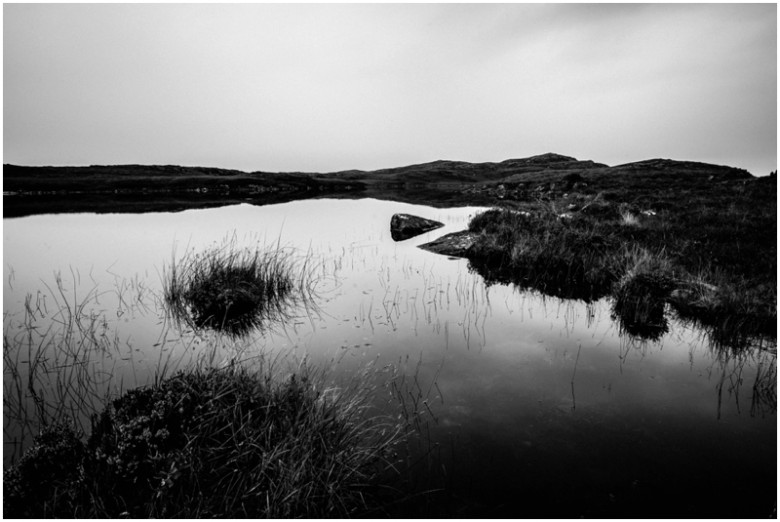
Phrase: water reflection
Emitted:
{"points": [[508, 390]]}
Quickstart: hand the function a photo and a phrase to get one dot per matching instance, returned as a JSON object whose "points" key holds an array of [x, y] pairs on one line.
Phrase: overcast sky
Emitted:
{"points": [[291, 87]]}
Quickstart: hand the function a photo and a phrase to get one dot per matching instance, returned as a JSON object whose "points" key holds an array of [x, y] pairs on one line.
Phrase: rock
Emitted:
{"points": [[404, 226], [455, 244]]}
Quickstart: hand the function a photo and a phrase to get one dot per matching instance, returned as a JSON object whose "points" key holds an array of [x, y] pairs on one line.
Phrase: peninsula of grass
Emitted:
{"points": [[230, 442], [708, 249], [235, 290]]}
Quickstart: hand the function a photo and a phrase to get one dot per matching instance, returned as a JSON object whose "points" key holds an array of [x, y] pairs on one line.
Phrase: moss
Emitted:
{"points": [[46, 482]]}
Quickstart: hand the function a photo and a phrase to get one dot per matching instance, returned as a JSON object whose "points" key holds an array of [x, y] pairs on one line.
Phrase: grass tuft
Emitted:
{"points": [[639, 297], [235, 290]]}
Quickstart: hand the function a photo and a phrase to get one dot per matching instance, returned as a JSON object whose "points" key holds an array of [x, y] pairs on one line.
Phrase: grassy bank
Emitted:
{"points": [[226, 442], [709, 252]]}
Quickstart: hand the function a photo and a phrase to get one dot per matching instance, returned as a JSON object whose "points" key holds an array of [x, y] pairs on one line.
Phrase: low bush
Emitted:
{"points": [[212, 443]]}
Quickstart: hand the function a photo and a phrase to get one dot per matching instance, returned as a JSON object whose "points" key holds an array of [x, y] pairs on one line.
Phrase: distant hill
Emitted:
{"points": [[171, 177], [452, 171], [442, 182]]}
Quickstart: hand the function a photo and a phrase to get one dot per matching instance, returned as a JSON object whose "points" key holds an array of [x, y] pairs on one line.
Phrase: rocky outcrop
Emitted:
{"points": [[404, 226], [456, 244]]}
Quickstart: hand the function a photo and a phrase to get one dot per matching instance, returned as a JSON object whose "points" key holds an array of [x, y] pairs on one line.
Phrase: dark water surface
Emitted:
{"points": [[526, 405]]}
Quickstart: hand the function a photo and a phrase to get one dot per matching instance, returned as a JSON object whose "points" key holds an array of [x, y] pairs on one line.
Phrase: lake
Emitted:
{"points": [[523, 405]]}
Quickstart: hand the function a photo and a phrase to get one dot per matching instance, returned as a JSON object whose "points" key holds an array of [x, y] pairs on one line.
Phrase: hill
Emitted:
{"points": [[133, 188]]}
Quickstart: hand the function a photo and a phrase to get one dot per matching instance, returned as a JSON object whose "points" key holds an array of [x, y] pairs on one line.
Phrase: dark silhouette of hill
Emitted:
{"points": [[132, 188]]}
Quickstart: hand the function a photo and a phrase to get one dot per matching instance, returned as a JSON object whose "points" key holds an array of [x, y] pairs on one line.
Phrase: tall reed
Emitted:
{"points": [[63, 353]]}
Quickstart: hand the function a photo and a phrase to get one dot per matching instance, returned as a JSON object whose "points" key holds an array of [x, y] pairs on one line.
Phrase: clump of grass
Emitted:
{"points": [[235, 290], [629, 219], [641, 293], [228, 442]]}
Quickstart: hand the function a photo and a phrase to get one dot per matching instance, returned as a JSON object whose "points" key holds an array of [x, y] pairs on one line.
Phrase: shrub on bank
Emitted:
{"points": [[214, 443]]}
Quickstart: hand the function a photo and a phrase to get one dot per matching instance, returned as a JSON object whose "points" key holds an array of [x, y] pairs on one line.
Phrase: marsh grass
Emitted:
{"points": [[227, 442], [640, 295], [562, 257], [52, 361], [217, 431], [602, 249], [242, 436], [235, 290], [62, 354], [734, 314]]}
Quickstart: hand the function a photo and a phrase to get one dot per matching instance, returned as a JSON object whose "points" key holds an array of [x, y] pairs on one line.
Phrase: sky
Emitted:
{"points": [[329, 87]]}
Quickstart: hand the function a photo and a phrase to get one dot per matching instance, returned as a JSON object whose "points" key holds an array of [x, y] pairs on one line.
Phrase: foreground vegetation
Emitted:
{"points": [[706, 248], [214, 431], [211, 443]]}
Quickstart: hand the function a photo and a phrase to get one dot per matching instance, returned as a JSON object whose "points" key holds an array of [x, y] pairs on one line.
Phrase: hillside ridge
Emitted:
{"points": [[546, 161], [141, 188]]}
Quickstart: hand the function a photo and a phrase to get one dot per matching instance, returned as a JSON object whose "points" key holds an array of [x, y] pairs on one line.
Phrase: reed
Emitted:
{"points": [[62, 353]]}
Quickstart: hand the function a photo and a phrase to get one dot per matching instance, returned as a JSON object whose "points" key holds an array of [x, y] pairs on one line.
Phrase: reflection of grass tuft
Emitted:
{"points": [[226, 442], [235, 290]]}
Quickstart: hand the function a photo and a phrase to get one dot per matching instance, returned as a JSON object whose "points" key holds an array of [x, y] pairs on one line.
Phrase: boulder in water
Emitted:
{"points": [[404, 226]]}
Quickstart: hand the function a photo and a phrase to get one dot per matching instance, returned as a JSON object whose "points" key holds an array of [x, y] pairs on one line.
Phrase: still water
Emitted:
{"points": [[525, 405]]}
